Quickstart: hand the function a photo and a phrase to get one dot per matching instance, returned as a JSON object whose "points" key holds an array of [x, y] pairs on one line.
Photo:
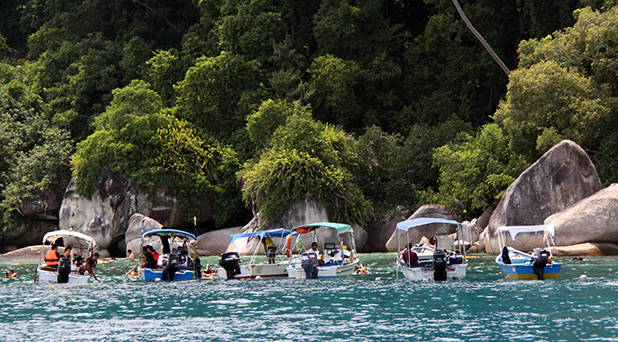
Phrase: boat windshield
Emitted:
{"points": [[515, 230], [76, 239], [170, 232], [271, 233]]}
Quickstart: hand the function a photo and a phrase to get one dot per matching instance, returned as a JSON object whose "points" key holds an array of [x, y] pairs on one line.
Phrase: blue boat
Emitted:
{"points": [[520, 265], [174, 263]]}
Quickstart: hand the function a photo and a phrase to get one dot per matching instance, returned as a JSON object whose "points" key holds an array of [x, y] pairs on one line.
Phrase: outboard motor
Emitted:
{"points": [[540, 260], [229, 261], [439, 265], [309, 263], [64, 269], [197, 267], [170, 269]]}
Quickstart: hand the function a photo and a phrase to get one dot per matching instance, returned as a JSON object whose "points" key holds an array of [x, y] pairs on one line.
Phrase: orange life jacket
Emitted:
{"points": [[13, 275], [51, 258]]}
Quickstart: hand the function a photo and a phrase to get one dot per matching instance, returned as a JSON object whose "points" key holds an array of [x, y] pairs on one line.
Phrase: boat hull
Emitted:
{"points": [[47, 276], [157, 274], [526, 271], [453, 272], [324, 271], [253, 271]]}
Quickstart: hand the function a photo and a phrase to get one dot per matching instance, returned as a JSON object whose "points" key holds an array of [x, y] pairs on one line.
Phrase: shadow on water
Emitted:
{"points": [[374, 306]]}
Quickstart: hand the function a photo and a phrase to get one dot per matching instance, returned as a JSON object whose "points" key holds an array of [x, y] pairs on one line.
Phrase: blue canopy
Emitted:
{"points": [[176, 232], [421, 221], [279, 232]]}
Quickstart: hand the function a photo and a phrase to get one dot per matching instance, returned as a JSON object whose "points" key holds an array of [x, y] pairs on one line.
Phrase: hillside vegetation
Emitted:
{"points": [[362, 106]]}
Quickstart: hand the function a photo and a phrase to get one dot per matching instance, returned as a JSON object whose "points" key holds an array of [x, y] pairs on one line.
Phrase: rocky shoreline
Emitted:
{"points": [[562, 188]]}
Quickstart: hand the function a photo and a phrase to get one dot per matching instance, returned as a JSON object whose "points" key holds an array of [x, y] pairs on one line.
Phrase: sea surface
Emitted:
{"points": [[377, 306]]}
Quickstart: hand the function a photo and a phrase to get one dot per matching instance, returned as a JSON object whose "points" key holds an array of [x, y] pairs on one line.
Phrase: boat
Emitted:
{"points": [[174, 263], [69, 270], [536, 265], [432, 263], [230, 268], [339, 258]]}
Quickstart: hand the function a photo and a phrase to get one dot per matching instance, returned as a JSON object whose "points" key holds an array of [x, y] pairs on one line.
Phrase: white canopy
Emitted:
{"points": [[68, 233], [514, 230]]}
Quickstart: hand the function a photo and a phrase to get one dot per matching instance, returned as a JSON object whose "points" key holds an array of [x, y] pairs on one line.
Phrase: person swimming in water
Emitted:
{"points": [[10, 274], [132, 272]]}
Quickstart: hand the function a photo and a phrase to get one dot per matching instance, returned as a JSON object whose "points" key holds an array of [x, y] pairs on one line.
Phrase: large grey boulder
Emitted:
{"points": [[593, 219], [303, 212], [39, 216], [43, 206], [561, 177], [25, 254], [415, 235], [105, 214], [138, 224], [380, 231], [29, 232], [587, 249], [215, 242]]}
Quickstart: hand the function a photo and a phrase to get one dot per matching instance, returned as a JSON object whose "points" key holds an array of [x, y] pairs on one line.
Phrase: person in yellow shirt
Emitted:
{"points": [[270, 249]]}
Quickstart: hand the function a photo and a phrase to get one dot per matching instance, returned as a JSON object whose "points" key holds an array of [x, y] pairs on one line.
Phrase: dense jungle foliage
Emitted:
{"points": [[363, 106]]}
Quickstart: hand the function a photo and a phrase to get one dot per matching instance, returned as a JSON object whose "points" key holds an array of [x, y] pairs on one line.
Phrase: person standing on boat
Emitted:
{"points": [[67, 252], [52, 257], [154, 253], [270, 249], [314, 248], [148, 260], [410, 258], [505, 255]]}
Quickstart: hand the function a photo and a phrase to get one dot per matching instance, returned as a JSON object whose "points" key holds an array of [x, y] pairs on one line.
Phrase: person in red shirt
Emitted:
{"points": [[154, 253], [409, 257]]}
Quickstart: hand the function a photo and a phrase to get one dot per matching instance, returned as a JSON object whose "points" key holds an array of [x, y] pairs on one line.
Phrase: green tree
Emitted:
{"points": [[34, 155], [475, 170], [546, 104], [567, 88], [139, 139], [306, 160], [218, 93]]}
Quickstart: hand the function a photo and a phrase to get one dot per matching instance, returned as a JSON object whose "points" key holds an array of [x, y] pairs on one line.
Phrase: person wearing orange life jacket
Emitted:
{"points": [[154, 253], [10, 274], [52, 257]]}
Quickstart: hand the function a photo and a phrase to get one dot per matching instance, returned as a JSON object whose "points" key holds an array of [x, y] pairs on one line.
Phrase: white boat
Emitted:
{"points": [[336, 261], [515, 264], [171, 267], [82, 245], [230, 261], [432, 263]]}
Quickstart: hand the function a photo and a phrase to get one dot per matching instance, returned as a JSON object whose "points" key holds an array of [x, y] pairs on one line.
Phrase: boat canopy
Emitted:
{"points": [[279, 232], [338, 227], [163, 232], [421, 221], [56, 234], [514, 230]]}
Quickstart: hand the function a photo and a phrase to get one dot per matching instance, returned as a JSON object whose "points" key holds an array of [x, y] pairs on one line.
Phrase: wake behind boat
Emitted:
{"points": [[67, 268], [230, 268], [174, 262], [539, 264], [338, 259], [420, 262]]}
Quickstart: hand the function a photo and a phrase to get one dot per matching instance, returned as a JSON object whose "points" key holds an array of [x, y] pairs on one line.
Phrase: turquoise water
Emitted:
{"points": [[371, 307]]}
